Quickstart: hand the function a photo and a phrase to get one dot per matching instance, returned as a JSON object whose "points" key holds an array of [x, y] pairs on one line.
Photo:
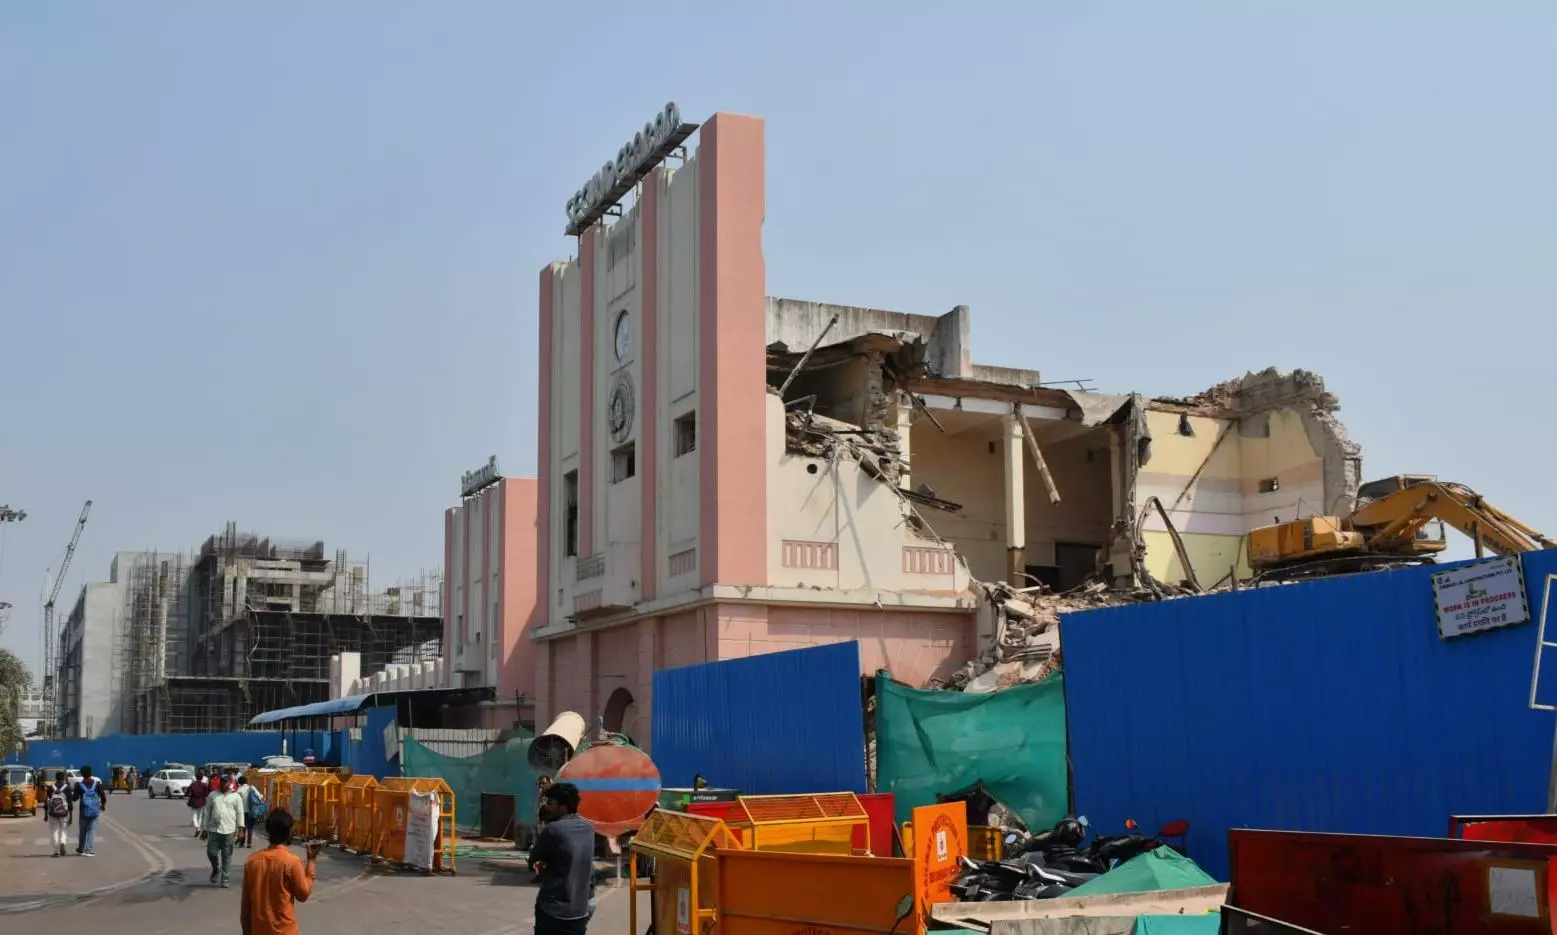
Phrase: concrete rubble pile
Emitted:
{"points": [[1026, 647]]}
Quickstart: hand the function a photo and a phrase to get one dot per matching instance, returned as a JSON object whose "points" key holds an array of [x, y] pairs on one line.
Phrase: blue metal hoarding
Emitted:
{"points": [[769, 724], [1329, 706]]}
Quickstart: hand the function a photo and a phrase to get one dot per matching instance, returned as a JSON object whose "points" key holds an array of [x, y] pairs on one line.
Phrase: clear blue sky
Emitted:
{"points": [[277, 264]]}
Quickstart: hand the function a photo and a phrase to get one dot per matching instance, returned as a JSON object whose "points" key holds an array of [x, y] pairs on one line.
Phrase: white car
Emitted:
{"points": [[169, 783]]}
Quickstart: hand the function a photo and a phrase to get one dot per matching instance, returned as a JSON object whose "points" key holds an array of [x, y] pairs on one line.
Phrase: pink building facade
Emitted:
{"points": [[677, 526], [489, 544]]}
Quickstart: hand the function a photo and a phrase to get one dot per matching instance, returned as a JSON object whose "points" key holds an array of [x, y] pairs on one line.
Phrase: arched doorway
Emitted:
{"points": [[620, 711]]}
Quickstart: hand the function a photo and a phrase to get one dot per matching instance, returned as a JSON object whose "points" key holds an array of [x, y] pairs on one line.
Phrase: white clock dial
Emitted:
{"points": [[624, 336]]}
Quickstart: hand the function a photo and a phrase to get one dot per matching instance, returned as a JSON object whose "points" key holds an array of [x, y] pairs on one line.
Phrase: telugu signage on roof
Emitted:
{"points": [[484, 476], [1482, 596], [633, 161]]}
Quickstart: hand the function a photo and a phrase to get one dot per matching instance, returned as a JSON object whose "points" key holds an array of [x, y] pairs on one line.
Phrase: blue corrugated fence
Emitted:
{"points": [[152, 750], [1326, 706], [775, 723]]}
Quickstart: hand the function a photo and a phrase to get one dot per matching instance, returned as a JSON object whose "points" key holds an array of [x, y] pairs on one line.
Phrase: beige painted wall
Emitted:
{"points": [[1224, 501], [617, 514], [960, 467], [835, 527]]}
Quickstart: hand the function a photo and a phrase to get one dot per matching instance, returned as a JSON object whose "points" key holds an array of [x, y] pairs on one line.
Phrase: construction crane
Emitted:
{"points": [[50, 639]]}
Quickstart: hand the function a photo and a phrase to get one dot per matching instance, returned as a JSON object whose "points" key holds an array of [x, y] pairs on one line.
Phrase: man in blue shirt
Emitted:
{"points": [[564, 862]]}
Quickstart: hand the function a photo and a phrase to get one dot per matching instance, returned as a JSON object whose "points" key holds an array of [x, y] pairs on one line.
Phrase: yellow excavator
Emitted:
{"points": [[1398, 521]]}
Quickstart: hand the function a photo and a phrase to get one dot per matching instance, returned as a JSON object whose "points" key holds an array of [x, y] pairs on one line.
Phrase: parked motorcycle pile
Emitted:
{"points": [[1047, 864]]}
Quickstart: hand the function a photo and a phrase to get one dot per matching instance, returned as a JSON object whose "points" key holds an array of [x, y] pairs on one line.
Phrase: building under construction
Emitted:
{"points": [[246, 624]]}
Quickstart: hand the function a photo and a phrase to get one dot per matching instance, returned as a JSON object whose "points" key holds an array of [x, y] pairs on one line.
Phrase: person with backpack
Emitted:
{"points": [[92, 798], [253, 810], [58, 812]]}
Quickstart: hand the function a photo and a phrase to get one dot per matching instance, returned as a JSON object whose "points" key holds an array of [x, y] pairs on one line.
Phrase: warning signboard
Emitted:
{"points": [[617, 786]]}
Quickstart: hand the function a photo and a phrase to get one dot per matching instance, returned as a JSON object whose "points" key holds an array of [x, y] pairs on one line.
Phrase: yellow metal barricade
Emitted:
{"points": [[355, 813], [392, 813], [823, 823], [312, 799], [685, 879], [985, 842]]}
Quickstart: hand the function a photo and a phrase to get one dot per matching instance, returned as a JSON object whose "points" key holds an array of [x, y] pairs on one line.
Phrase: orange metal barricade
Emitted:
{"points": [[779, 893], [392, 812], [823, 823], [685, 849], [312, 798], [354, 814], [985, 842]]}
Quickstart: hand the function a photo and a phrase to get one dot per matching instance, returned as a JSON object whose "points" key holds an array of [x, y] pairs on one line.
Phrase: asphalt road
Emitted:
{"points": [[150, 877]]}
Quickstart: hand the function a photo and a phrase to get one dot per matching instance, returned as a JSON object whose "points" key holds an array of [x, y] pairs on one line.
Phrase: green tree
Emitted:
{"points": [[14, 679]]}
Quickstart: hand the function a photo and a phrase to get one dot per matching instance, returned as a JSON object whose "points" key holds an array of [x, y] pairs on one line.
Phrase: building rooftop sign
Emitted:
{"points": [[481, 477], [637, 157]]}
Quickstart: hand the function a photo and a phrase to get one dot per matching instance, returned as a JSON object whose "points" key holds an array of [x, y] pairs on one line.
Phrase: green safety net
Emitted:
{"points": [[942, 742], [1206, 923], [503, 769], [1160, 868]]}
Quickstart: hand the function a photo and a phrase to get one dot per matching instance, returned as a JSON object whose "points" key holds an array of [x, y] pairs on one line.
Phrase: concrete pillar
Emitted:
{"points": [[903, 411], [1016, 503]]}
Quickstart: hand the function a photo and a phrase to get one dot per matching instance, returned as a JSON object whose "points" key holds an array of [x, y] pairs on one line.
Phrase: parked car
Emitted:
{"points": [[169, 783]]}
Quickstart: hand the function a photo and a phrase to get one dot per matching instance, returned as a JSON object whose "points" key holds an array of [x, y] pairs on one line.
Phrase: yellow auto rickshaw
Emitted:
{"points": [[122, 779], [18, 792]]}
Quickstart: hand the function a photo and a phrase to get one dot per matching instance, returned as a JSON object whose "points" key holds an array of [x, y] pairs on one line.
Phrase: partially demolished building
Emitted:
{"points": [[178, 643], [876, 485]]}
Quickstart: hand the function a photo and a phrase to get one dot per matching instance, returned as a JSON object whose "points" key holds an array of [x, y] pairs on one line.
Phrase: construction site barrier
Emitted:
{"points": [[391, 816], [312, 799], [1377, 883], [265, 781], [354, 814], [782, 893], [985, 842], [684, 884], [822, 823], [1531, 829]]}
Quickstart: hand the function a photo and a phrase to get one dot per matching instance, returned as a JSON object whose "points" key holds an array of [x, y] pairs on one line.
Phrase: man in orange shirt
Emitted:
{"points": [[274, 880]]}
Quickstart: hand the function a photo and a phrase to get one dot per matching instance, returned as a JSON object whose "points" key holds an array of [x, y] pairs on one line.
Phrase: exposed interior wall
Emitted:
{"points": [[835, 526], [1059, 534], [1252, 471], [964, 464]]}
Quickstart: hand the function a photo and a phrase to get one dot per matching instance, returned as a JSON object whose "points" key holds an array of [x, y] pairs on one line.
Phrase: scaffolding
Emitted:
{"points": [[248, 624]]}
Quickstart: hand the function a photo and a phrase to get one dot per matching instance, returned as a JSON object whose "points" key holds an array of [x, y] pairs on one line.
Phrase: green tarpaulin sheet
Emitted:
{"points": [[1012, 741], [1161, 868], [1206, 923], [503, 769]]}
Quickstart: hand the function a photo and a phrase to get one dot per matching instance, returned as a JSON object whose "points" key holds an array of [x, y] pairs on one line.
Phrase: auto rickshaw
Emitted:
{"points": [[18, 792], [123, 779]]}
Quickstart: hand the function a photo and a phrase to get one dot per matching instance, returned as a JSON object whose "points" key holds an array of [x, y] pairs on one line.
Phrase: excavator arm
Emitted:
{"points": [[1390, 522]]}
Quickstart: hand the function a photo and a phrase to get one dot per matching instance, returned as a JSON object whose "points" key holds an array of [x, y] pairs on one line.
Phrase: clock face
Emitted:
{"points": [[624, 336]]}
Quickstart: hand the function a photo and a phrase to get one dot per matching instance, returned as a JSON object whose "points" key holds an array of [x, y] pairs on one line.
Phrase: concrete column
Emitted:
{"points": [[1016, 503], [903, 411]]}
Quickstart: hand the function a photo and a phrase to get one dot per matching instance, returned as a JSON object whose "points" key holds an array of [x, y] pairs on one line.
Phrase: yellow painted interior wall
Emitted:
{"points": [[1211, 555]]}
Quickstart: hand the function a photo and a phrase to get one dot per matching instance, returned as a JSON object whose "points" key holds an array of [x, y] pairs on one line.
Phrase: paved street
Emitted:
{"points": [[150, 877]]}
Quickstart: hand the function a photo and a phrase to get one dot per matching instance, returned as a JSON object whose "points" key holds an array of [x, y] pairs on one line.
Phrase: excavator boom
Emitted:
{"points": [[1390, 522]]}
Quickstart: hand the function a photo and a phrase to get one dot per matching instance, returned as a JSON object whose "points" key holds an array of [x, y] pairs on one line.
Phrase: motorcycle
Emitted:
{"points": [[1051, 863]]}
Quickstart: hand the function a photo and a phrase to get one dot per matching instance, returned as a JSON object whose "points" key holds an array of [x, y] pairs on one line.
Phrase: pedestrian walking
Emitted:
{"points": [[58, 811], [223, 818], [274, 880], [199, 792], [253, 809], [564, 861], [92, 799]]}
